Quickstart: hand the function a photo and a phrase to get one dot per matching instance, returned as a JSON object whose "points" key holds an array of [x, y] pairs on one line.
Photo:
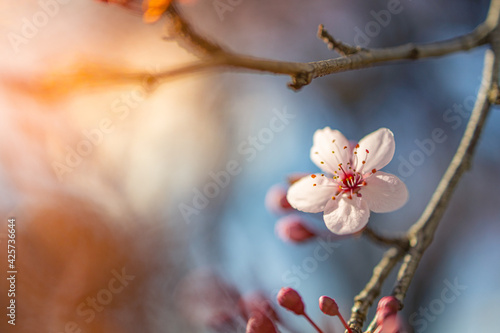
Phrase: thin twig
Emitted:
{"points": [[333, 44], [181, 30]]}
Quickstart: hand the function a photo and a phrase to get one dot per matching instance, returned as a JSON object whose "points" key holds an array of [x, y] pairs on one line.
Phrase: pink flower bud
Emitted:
{"points": [[291, 300], [276, 200], [328, 306], [387, 320], [259, 323], [390, 303], [292, 228]]}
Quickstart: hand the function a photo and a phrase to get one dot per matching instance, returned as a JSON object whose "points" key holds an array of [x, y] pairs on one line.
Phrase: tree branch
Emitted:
{"points": [[302, 74]]}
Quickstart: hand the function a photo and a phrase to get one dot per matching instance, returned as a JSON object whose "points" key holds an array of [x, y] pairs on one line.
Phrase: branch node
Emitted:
{"points": [[494, 94], [338, 46], [299, 80], [414, 52]]}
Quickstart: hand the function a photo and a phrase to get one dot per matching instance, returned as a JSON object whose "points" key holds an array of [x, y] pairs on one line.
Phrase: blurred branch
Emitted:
{"points": [[303, 73]]}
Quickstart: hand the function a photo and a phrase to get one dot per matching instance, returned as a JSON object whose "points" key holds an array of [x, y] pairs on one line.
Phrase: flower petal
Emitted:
{"points": [[384, 192], [304, 196], [328, 149], [346, 216], [381, 147]]}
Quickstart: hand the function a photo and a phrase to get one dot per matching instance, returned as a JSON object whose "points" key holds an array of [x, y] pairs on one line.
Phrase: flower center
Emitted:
{"points": [[349, 182]]}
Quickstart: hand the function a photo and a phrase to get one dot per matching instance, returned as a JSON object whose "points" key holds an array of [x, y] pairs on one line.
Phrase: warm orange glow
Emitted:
{"points": [[153, 9]]}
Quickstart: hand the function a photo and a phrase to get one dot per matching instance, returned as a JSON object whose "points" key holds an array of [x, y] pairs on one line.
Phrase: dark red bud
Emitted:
{"points": [[328, 306], [291, 300]]}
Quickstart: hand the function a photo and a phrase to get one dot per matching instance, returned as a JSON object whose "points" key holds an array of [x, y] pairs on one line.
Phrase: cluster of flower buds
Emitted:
{"points": [[292, 301]]}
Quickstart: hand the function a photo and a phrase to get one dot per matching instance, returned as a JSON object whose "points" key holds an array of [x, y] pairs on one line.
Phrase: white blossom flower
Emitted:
{"points": [[351, 185]]}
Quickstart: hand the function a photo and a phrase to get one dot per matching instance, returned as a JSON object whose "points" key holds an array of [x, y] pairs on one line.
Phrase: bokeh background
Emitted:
{"points": [[117, 209]]}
